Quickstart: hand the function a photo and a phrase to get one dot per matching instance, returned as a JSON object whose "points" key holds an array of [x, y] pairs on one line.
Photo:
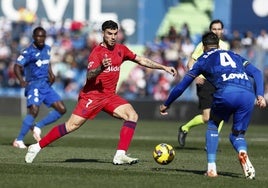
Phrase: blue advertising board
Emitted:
{"points": [[242, 15]]}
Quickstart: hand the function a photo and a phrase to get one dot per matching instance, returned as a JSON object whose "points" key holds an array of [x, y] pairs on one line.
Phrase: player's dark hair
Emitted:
{"points": [[109, 24], [39, 28], [215, 22], [210, 38]]}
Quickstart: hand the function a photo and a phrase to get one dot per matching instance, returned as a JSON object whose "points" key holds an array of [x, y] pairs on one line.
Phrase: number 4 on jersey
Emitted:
{"points": [[226, 60]]}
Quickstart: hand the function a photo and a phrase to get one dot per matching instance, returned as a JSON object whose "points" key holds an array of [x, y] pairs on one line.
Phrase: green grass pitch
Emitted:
{"points": [[83, 158]]}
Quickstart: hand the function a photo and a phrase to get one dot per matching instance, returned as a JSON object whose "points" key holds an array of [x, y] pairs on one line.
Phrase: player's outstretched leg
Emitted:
{"points": [[54, 134]]}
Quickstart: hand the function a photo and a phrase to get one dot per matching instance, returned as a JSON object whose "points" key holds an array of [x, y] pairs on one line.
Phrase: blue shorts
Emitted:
{"points": [[237, 102], [39, 92]]}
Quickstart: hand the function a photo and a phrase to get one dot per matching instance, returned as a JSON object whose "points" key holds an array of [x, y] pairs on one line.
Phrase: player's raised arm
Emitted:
{"points": [[154, 65]]}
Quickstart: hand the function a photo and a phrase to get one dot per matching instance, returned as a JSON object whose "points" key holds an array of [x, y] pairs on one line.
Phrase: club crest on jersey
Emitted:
{"points": [[20, 58], [243, 76], [90, 64]]}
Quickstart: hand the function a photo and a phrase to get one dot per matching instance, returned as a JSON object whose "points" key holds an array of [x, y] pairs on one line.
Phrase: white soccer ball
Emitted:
{"points": [[163, 153]]}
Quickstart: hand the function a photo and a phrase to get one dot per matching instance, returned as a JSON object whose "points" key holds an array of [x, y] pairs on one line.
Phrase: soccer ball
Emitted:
{"points": [[163, 153]]}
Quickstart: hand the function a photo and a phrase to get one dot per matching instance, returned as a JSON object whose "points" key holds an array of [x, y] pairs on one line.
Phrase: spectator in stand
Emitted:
{"points": [[262, 39], [185, 31], [262, 45], [248, 40], [187, 48], [235, 41]]}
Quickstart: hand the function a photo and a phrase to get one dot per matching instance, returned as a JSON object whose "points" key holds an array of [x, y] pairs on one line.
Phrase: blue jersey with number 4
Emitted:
{"points": [[223, 69], [227, 71]]}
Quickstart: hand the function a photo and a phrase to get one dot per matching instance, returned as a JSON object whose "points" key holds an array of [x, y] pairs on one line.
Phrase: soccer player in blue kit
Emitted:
{"points": [[235, 95], [37, 79]]}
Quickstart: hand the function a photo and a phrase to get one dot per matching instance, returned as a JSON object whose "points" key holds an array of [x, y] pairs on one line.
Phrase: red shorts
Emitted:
{"points": [[89, 106]]}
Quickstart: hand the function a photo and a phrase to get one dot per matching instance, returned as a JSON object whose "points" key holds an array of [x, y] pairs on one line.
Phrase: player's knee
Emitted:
{"points": [[61, 108], [205, 118], [133, 117], [34, 110]]}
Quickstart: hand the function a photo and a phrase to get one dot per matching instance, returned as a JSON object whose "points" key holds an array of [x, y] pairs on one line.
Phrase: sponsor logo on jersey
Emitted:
{"points": [[243, 76], [39, 63], [112, 69], [108, 69]]}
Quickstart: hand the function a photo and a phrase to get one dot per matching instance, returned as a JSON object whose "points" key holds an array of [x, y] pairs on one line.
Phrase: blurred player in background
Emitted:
{"points": [[204, 89], [99, 94], [34, 61], [234, 95]]}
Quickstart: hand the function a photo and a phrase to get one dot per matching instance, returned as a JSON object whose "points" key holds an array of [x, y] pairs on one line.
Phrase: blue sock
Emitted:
{"points": [[50, 118], [212, 140], [238, 142], [26, 126]]}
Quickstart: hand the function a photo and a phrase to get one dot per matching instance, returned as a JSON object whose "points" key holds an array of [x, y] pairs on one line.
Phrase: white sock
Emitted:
{"points": [[212, 166], [242, 151], [120, 152]]}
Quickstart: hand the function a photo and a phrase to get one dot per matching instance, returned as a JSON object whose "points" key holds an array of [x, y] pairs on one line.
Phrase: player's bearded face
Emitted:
{"points": [[110, 37]]}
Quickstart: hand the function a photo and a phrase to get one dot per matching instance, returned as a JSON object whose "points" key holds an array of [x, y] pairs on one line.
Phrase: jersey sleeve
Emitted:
{"points": [[94, 60], [258, 78], [22, 59], [128, 54]]}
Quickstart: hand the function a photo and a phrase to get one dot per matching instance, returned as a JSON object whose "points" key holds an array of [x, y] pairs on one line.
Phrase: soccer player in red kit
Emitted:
{"points": [[99, 94]]}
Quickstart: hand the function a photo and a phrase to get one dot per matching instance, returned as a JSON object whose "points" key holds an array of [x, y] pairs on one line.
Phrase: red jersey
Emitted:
{"points": [[106, 81]]}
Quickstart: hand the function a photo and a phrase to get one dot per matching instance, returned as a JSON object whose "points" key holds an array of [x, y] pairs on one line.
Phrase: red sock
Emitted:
{"points": [[55, 133], [126, 134]]}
